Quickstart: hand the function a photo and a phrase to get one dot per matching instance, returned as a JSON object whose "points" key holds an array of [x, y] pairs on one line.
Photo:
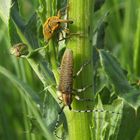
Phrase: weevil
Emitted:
{"points": [[65, 87], [53, 24]]}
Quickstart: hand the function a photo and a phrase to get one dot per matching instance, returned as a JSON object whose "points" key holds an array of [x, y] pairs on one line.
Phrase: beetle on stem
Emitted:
{"points": [[65, 87], [53, 24]]}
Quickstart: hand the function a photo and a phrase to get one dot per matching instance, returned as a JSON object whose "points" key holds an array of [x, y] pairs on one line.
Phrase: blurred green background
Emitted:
{"points": [[122, 38], [12, 108]]}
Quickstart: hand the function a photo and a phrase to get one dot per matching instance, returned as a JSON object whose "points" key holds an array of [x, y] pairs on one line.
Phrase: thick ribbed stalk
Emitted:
{"points": [[80, 12], [137, 48]]}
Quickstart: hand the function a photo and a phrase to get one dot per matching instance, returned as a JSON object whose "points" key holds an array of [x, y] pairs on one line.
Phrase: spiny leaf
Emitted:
{"points": [[115, 73]]}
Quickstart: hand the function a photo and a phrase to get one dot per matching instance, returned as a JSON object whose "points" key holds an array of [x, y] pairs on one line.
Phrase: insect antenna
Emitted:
{"points": [[96, 110], [57, 123]]}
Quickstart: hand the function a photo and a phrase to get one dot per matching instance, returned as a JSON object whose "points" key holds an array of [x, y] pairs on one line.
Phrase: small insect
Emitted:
{"points": [[66, 79], [53, 24], [65, 87]]}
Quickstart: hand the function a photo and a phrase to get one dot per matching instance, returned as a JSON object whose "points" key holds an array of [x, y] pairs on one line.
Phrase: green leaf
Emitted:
{"points": [[26, 32], [115, 73], [98, 4], [4, 10], [14, 38], [104, 94], [42, 11], [28, 35], [130, 122], [30, 97], [28, 91], [106, 124]]}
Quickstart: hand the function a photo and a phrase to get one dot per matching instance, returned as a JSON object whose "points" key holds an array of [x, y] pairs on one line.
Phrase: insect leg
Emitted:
{"points": [[88, 99], [79, 99], [63, 21], [96, 110], [61, 11], [82, 67], [82, 89], [62, 37], [69, 35], [66, 30]]}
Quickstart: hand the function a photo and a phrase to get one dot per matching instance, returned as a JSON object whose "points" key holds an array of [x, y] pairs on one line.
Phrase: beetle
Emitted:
{"points": [[65, 87], [66, 78], [53, 24]]}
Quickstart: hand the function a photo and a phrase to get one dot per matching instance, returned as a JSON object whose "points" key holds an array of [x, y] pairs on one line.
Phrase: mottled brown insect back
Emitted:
{"points": [[66, 78], [53, 24]]}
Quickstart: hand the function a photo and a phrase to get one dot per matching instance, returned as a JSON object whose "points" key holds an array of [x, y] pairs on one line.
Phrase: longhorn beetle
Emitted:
{"points": [[53, 24], [65, 87]]}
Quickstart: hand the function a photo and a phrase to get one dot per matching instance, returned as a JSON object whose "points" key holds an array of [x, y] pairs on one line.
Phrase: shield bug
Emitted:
{"points": [[53, 24], [65, 87]]}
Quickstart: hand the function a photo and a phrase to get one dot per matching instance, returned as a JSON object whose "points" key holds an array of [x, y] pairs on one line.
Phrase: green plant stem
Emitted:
{"points": [[80, 12], [53, 60], [137, 48]]}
